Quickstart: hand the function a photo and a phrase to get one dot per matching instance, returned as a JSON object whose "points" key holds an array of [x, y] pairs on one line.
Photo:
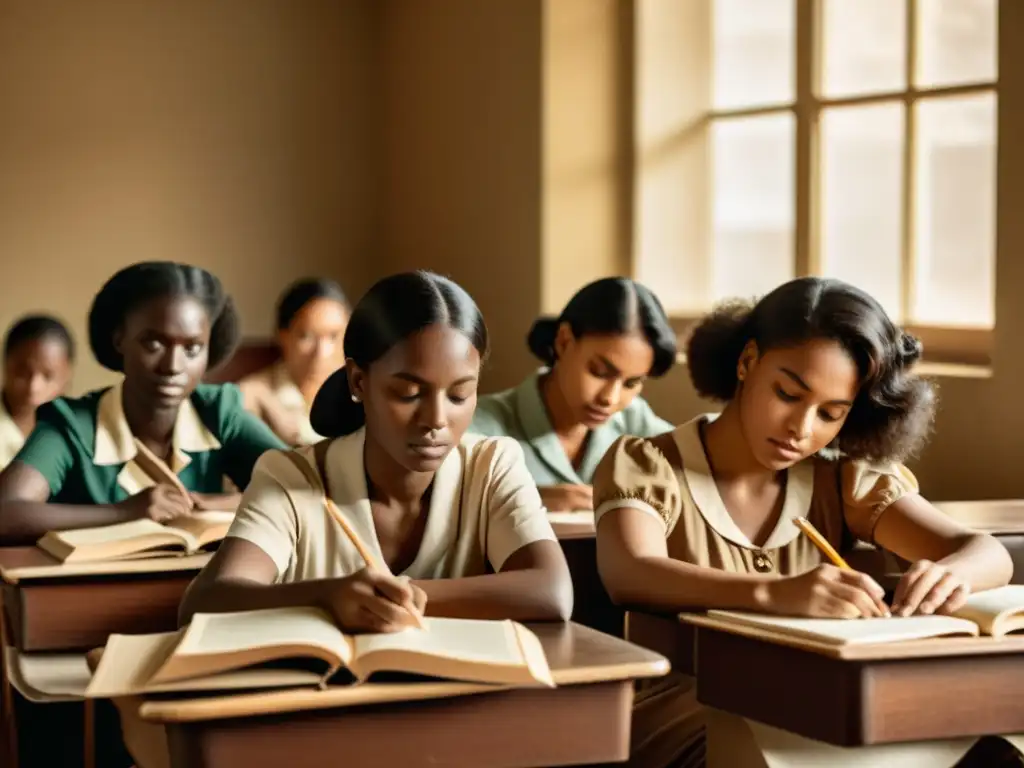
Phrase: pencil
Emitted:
{"points": [[158, 470], [364, 553], [820, 542]]}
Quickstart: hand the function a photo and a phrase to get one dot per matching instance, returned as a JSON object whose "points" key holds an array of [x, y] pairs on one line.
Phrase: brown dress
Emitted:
{"points": [[669, 478]]}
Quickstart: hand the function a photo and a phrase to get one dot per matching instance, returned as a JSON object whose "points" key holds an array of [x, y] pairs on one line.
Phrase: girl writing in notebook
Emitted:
{"points": [[38, 357], [161, 325], [611, 337], [425, 516], [821, 405], [311, 319]]}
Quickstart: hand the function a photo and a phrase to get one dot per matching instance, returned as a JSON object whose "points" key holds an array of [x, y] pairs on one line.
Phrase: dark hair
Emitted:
{"points": [[893, 412], [133, 286], [391, 311], [301, 292], [613, 305], [38, 327]]}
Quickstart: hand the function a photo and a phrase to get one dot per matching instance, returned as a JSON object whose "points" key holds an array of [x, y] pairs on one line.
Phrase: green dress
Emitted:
{"points": [[85, 448], [520, 413]]}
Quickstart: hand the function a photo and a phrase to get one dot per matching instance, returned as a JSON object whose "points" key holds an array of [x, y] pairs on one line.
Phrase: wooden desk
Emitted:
{"points": [[585, 720], [920, 691], [52, 606], [1003, 518]]}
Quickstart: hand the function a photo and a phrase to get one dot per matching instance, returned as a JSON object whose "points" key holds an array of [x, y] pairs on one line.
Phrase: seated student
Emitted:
{"points": [[162, 325], [821, 405], [38, 357], [611, 336], [431, 503], [453, 521], [311, 320]]}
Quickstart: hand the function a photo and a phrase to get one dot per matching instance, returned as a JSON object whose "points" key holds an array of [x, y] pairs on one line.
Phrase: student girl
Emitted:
{"points": [[311, 319], [610, 338], [161, 325], [821, 404], [39, 354], [430, 503]]}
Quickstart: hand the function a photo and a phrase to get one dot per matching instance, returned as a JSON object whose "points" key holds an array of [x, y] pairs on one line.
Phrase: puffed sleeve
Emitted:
{"points": [[868, 489], [635, 474]]}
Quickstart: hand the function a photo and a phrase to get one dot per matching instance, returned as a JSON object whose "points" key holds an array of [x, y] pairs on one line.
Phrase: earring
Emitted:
{"points": [[356, 398]]}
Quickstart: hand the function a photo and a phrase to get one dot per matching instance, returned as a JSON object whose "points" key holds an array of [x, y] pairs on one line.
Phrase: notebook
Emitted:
{"points": [[138, 538], [995, 613], [282, 647]]}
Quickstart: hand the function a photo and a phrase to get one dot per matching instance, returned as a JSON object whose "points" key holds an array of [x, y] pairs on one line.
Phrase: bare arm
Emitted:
{"points": [[632, 558], [533, 585], [25, 513], [916, 531], [240, 577]]}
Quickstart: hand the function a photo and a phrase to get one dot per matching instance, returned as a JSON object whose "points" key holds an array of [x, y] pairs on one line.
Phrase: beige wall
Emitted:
{"points": [[229, 134], [461, 173], [486, 139]]}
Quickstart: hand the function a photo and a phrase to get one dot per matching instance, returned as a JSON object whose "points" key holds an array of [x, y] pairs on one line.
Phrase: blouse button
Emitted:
{"points": [[763, 562]]}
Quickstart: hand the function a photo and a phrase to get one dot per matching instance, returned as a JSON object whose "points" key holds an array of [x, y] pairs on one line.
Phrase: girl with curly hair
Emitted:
{"points": [[161, 325], [821, 406]]}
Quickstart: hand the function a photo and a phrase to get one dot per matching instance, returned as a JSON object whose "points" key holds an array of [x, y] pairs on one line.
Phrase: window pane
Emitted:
{"points": [[956, 41], [863, 47], [754, 201], [955, 211], [754, 51], [862, 162]]}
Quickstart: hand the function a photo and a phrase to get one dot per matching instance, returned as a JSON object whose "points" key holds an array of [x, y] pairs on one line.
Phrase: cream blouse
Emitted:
{"points": [[484, 506], [669, 478]]}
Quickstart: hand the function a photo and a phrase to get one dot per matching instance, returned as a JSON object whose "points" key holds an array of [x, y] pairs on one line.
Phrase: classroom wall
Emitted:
{"points": [[232, 135], [477, 64], [460, 159]]}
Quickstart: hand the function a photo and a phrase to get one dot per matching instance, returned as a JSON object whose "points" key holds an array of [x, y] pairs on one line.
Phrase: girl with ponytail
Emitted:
{"points": [[611, 337], [454, 523], [821, 406]]}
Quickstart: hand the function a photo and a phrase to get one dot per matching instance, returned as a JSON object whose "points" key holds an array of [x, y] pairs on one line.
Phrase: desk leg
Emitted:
{"points": [[88, 734], [9, 731]]}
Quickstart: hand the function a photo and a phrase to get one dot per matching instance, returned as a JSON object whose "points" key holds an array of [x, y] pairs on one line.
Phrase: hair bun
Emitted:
{"points": [[541, 339], [334, 413], [910, 349]]}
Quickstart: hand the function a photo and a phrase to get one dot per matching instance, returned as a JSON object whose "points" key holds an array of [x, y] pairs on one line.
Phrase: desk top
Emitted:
{"points": [[573, 525], [18, 564], [996, 517], [576, 655]]}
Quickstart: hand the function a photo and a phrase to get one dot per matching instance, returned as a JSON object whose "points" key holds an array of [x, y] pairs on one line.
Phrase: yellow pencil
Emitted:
{"points": [[365, 553], [820, 542]]}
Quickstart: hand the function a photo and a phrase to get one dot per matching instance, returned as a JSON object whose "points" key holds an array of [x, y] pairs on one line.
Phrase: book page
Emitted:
{"points": [[106, 534], [220, 633], [488, 642], [198, 523], [854, 631], [986, 608]]}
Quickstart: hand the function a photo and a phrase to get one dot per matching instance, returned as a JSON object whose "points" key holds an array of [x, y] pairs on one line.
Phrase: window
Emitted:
{"points": [[847, 138]]}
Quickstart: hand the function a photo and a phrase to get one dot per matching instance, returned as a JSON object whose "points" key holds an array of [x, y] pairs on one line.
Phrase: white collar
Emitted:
{"points": [[701, 483], [347, 483], [115, 443]]}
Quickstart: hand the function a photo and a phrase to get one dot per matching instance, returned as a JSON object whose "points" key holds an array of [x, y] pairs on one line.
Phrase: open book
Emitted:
{"points": [[138, 538], [236, 650], [995, 613]]}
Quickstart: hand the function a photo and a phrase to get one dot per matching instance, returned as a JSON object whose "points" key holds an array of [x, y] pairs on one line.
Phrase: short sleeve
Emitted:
{"points": [[642, 421], [868, 489], [516, 514], [243, 436], [47, 450], [266, 515], [636, 474]]}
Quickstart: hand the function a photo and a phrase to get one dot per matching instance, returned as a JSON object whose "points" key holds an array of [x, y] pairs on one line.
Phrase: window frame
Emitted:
{"points": [[942, 343]]}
